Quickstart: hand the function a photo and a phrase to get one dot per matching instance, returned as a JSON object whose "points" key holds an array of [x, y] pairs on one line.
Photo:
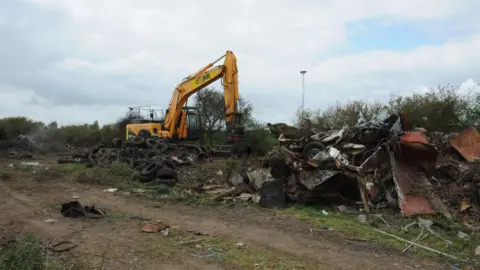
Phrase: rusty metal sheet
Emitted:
{"points": [[467, 143], [411, 189], [416, 150], [414, 137]]}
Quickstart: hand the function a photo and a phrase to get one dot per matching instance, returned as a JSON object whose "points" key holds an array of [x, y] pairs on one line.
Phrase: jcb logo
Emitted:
{"points": [[202, 79]]}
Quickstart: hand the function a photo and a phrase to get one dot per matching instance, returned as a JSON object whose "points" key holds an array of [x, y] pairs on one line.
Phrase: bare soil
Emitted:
{"points": [[269, 241]]}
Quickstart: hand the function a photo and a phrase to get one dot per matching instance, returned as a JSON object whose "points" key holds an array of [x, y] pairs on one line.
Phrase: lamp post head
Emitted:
{"points": [[303, 72]]}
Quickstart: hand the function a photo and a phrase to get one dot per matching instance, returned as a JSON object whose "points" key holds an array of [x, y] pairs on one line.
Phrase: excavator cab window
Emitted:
{"points": [[193, 126]]}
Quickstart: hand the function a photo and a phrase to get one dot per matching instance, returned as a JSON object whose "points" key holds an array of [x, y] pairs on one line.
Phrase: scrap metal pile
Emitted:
{"points": [[152, 158], [377, 164]]}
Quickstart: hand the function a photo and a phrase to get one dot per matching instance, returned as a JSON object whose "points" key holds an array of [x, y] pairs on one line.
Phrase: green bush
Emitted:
{"points": [[13, 126], [260, 140], [443, 110]]}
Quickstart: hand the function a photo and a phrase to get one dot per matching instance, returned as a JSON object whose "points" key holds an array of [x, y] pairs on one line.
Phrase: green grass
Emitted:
{"points": [[349, 226], [69, 168], [116, 216], [29, 253], [117, 174], [26, 254]]}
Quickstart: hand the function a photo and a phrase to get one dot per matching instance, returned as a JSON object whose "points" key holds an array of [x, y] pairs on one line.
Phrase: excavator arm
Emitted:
{"points": [[202, 78]]}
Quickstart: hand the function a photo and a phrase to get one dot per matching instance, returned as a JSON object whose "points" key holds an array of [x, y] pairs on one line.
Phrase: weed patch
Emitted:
{"points": [[117, 174], [26, 254], [348, 225]]}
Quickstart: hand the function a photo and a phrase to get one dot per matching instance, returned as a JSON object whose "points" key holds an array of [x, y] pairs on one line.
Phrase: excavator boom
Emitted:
{"points": [[202, 78]]}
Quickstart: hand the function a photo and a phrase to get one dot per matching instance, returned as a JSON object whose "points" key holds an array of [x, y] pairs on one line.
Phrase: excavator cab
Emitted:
{"points": [[194, 131], [188, 125]]}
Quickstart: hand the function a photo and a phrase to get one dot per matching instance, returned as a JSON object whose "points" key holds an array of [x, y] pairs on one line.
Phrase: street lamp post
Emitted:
{"points": [[303, 88]]}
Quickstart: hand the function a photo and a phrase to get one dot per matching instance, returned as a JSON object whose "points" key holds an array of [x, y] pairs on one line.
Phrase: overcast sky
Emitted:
{"points": [[77, 61]]}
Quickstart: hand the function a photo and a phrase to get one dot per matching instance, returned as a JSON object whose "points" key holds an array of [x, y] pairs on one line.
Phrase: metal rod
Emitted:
{"points": [[220, 58]]}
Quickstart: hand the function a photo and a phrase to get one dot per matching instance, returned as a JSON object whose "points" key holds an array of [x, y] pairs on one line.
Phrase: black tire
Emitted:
{"points": [[150, 170], [166, 174], [168, 163], [138, 176], [167, 182], [129, 151], [311, 149], [162, 147], [139, 164], [116, 143], [272, 194], [127, 143], [172, 146], [151, 143], [138, 141], [150, 153]]}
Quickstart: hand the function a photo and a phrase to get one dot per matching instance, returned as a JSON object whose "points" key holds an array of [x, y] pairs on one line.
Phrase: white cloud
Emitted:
{"points": [[119, 52], [379, 73], [73, 64]]}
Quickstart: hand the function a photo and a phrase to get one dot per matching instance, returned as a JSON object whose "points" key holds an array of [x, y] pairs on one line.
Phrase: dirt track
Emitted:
{"points": [[118, 242]]}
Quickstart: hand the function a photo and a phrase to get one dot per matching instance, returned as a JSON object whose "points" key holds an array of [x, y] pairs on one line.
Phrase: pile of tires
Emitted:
{"points": [[153, 159]]}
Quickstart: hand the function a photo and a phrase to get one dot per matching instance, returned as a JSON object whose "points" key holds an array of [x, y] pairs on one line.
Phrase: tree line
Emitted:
{"points": [[443, 110]]}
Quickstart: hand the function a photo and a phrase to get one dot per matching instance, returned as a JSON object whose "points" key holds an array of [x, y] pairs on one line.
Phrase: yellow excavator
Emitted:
{"points": [[182, 123]]}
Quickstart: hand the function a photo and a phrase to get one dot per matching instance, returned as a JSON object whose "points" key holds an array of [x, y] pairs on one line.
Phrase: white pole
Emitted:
{"points": [[303, 89]]}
